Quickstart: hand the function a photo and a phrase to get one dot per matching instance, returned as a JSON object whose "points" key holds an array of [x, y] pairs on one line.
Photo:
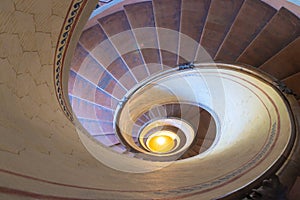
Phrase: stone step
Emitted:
{"points": [[85, 90], [118, 29], [140, 122], [144, 118], [111, 86], [108, 140], [282, 29], [167, 16], [285, 63], [142, 21], [79, 55], [107, 57], [96, 114], [193, 17], [97, 128], [82, 108], [92, 71], [92, 37], [95, 41], [120, 71], [251, 19], [134, 60], [219, 20]]}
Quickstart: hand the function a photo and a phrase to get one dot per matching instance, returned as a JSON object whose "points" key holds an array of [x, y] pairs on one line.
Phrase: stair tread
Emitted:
{"points": [[82, 108], [154, 112], [105, 53], [92, 37], [220, 17], [167, 16], [109, 59], [169, 59], [142, 21], [174, 111], [193, 16], [152, 59], [114, 23], [139, 122], [282, 29], [90, 69], [117, 27], [140, 14], [167, 13], [143, 118], [110, 85], [109, 140], [120, 71], [135, 62], [107, 127], [98, 114], [97, 119], [244, 29], [97, 128], [79, 56], [87, 91], [285, 63]]}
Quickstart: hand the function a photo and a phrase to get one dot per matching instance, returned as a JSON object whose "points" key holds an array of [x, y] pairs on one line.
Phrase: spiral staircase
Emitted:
{"points": [[225, 29], [124, 45], [217, 79]]}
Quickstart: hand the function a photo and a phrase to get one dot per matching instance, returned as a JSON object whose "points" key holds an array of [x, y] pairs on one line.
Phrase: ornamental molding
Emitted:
{"points": [[70, 22]]}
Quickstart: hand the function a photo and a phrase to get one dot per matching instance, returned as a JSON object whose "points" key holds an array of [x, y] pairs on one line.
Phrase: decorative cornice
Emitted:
{"points": [[69, 24]]}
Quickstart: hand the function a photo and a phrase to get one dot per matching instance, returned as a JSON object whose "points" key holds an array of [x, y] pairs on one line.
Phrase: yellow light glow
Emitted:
{"points": [[161, 142]]}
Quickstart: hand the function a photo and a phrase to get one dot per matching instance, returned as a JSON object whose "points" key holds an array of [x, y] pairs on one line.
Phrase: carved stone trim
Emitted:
{"points": [[71, 19]]}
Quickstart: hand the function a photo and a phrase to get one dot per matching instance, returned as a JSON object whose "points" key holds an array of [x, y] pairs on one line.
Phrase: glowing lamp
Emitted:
{"points": [[161, 142]]}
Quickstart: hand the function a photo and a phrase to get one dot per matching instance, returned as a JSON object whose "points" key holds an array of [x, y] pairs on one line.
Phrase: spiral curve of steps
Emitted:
{"points": [[126, 44], [227, 33]]}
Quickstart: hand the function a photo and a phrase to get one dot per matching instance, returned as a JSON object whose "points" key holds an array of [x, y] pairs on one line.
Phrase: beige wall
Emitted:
{"points": [[37, 140]]}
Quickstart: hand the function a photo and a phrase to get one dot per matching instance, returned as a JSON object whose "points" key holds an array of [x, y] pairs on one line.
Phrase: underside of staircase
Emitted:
{"points": [[249, 32], [246, 32]]}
